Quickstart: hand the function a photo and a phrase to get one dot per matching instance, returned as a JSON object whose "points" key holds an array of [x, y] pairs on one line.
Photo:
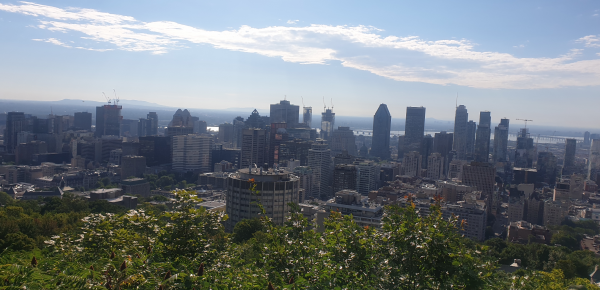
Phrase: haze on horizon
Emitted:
{"points": [[537, 60]]}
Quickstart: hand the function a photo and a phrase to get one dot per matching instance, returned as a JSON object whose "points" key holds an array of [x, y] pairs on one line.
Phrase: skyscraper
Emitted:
{"points": [[411, 164], [471, 133], [254, 148], [192, 153], [307, 116], [108, 120], [367, 176], [15, 123], [482, 143], [525, 150], [83, 121], [382, 121], [319, 160], [327, 123], [442, 143], [501, 142], [343, 139], [426, 149], [546, 168], [285, 112], [569, 160], [594, 160], [153, 129], [435, 163], [414, 128], [460, 132], [277, 136]]}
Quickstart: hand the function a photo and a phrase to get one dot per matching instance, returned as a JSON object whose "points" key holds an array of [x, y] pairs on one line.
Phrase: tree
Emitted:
{"points": [[245, 229], [17, 242]]}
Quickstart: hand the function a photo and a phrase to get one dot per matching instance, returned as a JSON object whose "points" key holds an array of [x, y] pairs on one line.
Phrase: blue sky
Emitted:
{"points": [[538, 60]]}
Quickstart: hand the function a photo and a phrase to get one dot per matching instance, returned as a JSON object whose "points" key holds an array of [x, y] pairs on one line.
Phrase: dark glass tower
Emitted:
{"points": [[501, 142], [569, 161], [108, 120], [15, 123], [284, 112], [414, 128], [382, 121], [83, 121], [482, 143], [460, 132], [471, 133]]}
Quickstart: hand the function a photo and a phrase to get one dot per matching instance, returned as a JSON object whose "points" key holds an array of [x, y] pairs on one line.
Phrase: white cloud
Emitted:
{"points": [[292, 21], [409, 58], [590, 40], [519, 46]]}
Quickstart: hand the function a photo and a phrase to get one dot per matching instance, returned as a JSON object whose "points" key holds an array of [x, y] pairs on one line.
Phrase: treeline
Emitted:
{"points": [[186, 248]]}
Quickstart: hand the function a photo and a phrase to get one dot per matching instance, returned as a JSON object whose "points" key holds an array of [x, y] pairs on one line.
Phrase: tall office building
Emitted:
{"points": [[414, 128], [344, 177], [546, 168], [501, 142], [594, 160], [587, 141], [238, 128], [426, 148], [319, 160], [108, 120], [367, 176], [343, 139], [442, 143], [153, 128], [192, 153], [411, 164], [471, 133], [482, 143], [144, 127], [15, 123], [525, 151], [480, 175], [307, 116], [254, 148], [285, 112], [382, 121], [277, 136], [460, 132], [327, 123], [156, 149], [569, 160], [277, 189], [226, 134], [435, 166], [83, 121]]}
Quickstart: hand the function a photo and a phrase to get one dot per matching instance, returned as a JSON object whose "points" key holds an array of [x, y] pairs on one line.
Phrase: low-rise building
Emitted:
{"points": [[524, 232], [136, 186], [351, 202]]}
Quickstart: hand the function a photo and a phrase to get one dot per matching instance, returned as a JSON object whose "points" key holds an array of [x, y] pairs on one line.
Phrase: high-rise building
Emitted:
{"points": [[524, 153], [327, 123], [411, 164], [15, 123], [108, 120], [367, 176], [344, 177], [343, 139], [307, 179], [307, 116], [200, 127], [129, 128], [156, 149], [132, 166], [414, 128], [144, 127], [460, 132], [192, 153], [319, 160], [594, 160], [471, 133], [83, 121], [501, 142], [480, 175], [382, 121], [442, 143], [426, 149], [569, 160], [277, 135], [284, 112], [482, 143], [153, 128], [435, 163], [226, 134], [546, 168], [238, 128], [274, 191], [587, 141], [254, 148], [255, 120]]}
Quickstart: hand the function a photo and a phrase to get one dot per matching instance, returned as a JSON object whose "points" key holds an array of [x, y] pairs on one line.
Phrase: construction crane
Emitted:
{"points": [[116, 98], [324, 105], [107, 98], [525, 120]]}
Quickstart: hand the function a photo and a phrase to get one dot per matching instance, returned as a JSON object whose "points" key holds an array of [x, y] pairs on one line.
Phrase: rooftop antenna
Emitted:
{"points": [[302, 101], [116, 98], [457, 99], [285, 97], [332, 104]]}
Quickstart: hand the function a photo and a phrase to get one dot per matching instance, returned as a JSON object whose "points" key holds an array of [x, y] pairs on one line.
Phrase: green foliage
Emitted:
{"points": [[185, 247]]}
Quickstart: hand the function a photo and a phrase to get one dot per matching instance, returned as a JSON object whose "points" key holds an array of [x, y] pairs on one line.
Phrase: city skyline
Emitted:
{"points": [[172, 57]]}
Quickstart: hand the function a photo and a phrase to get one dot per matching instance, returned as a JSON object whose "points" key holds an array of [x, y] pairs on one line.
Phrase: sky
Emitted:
{"points": [[537, 60]]}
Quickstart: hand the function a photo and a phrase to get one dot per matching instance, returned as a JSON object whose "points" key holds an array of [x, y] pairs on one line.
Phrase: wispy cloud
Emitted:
{"points": [[590, 40], [409, 58], [292, 21]]}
